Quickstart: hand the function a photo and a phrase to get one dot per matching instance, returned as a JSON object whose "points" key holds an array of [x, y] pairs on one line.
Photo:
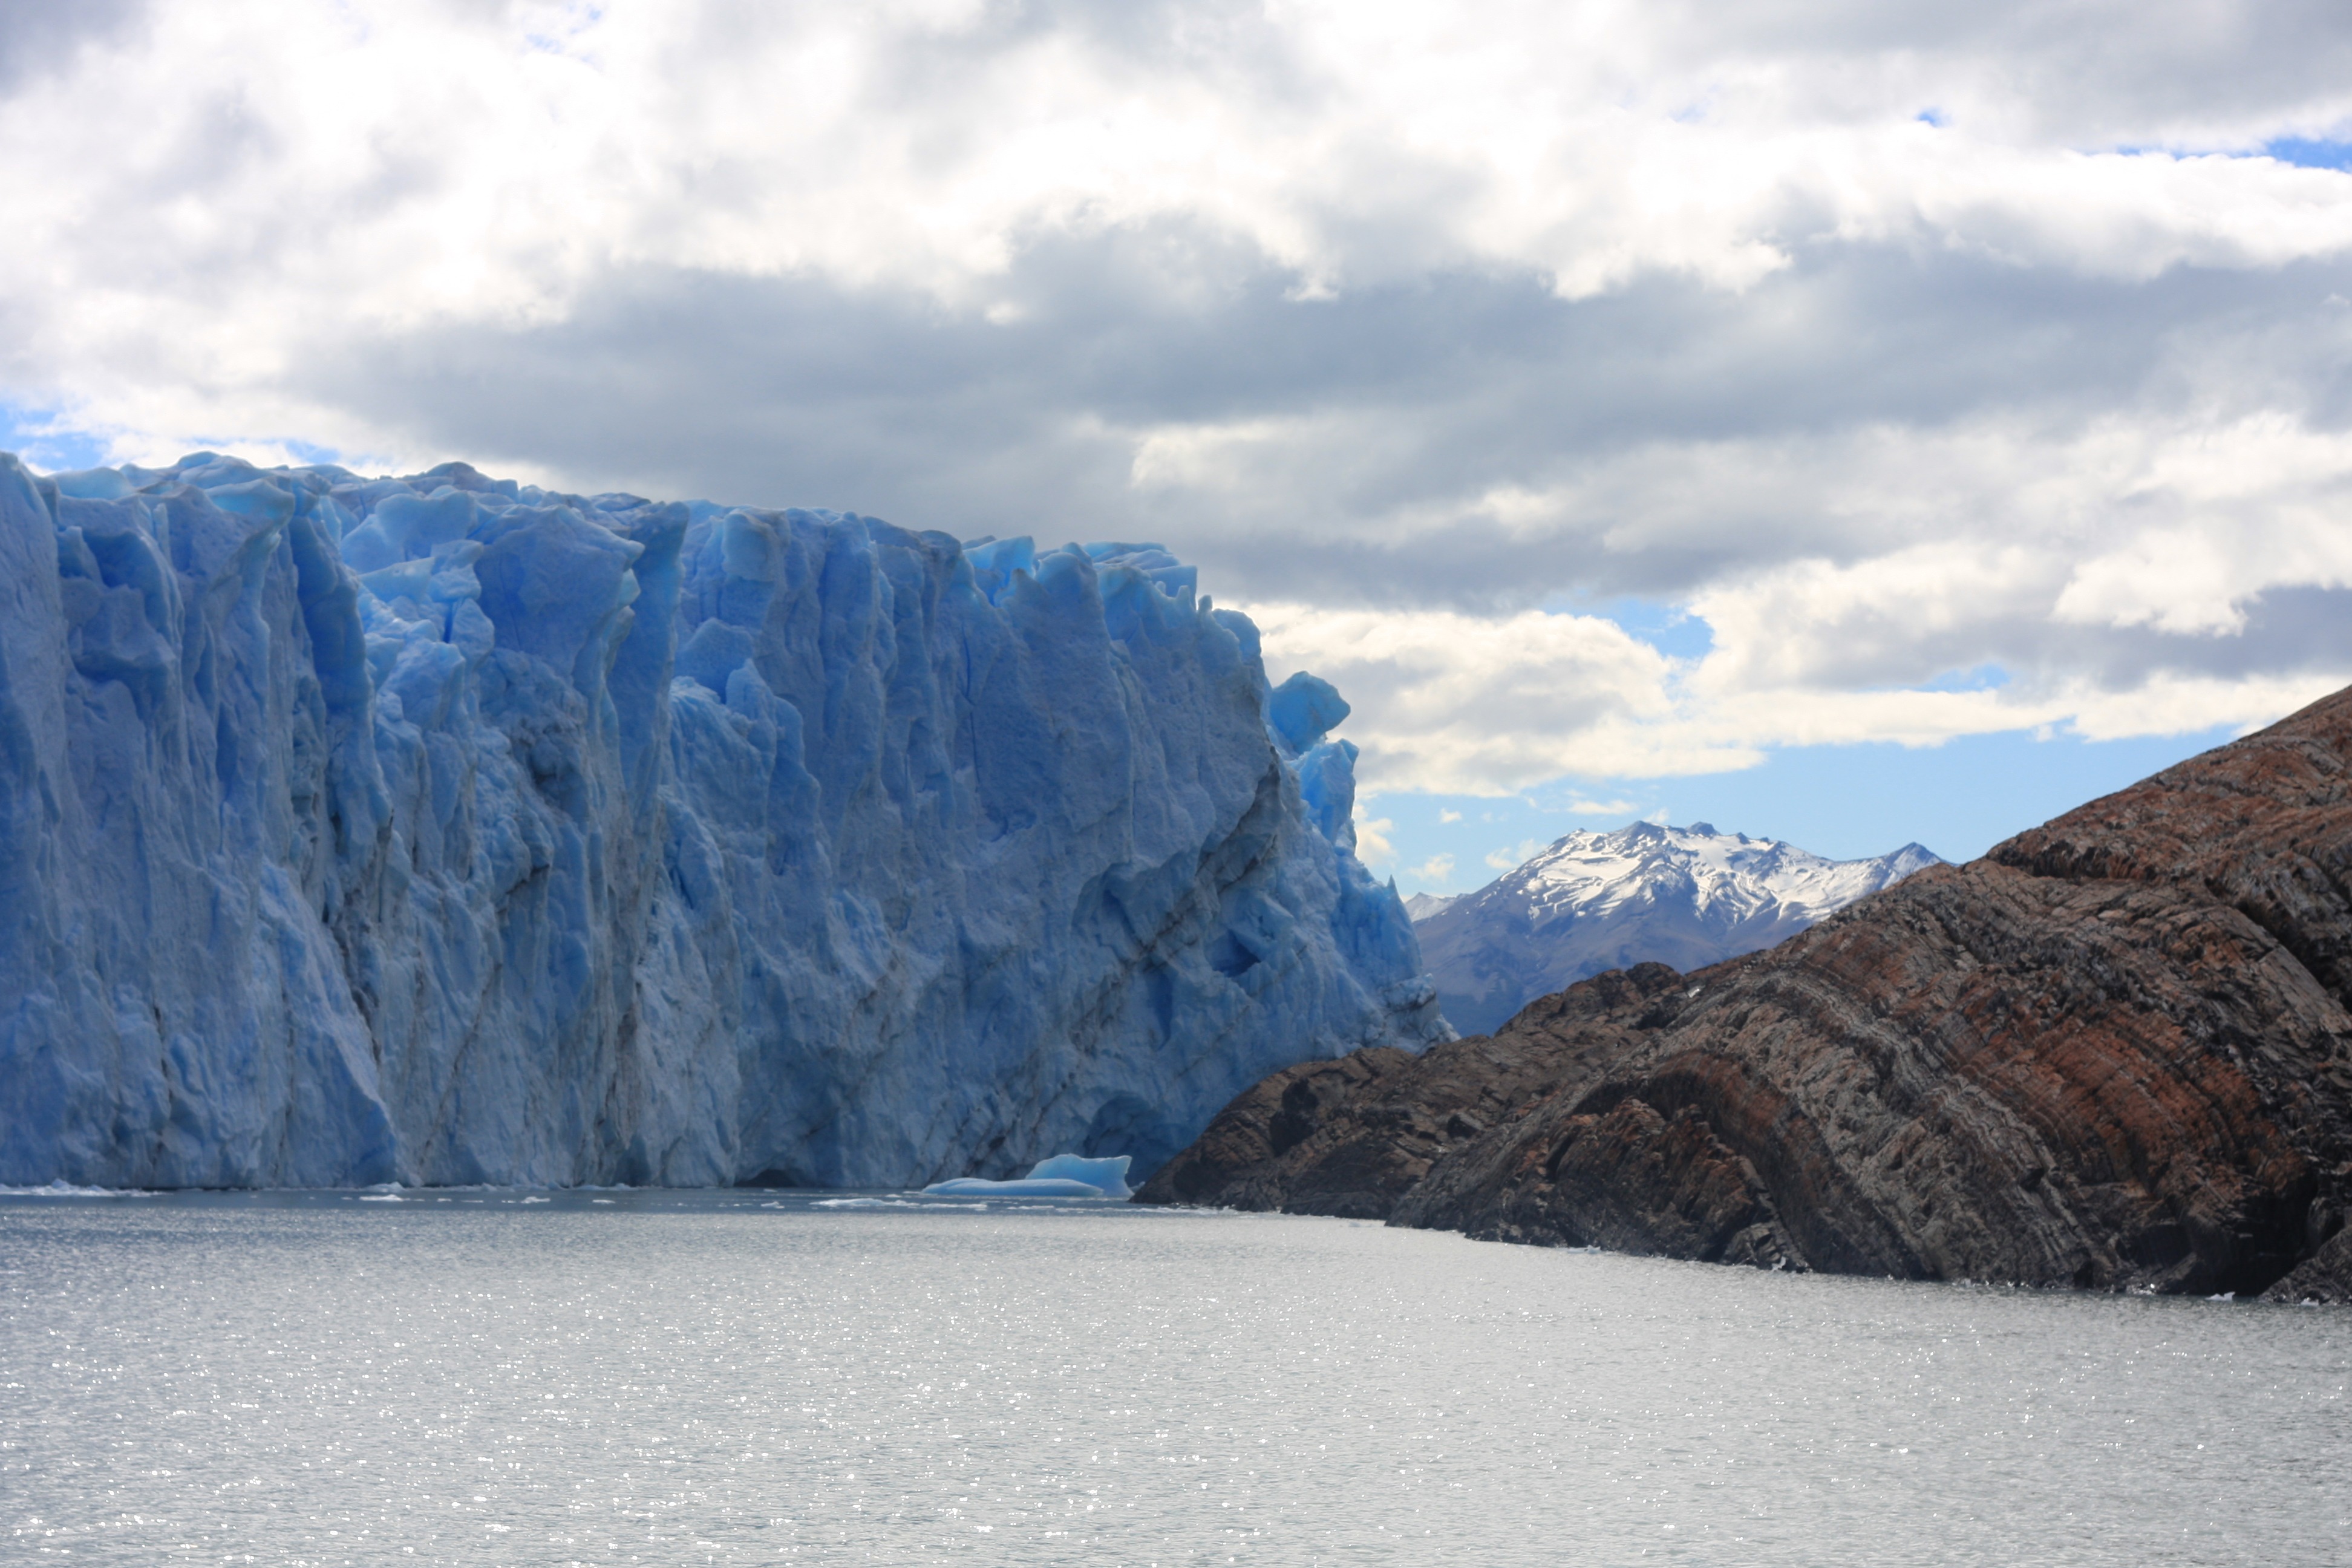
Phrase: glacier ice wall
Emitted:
{"points": [[445, 829]]}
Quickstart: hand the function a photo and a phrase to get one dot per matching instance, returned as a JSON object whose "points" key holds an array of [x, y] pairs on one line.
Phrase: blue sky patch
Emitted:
{"points": [[1671, 629], [2309, 153], [1959, 799], [34, 436], [1983, 677]]}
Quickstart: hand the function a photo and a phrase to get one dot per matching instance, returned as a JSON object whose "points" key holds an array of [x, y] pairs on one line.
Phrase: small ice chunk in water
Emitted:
{"points": [[1108, 1174], [1020, 1187], [1060, 1176]]}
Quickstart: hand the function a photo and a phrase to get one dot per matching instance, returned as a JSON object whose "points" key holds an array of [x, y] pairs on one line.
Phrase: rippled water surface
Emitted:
{"points": [[742, 1378]]}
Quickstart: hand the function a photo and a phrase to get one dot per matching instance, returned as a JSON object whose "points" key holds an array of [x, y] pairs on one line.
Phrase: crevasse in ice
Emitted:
{"points": [[444, 829]]}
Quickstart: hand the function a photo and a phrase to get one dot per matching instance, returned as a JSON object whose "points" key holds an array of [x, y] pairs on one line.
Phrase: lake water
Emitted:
{"points": [[751, 1378]]}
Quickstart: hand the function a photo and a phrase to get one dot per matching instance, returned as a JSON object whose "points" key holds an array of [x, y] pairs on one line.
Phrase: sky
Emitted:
{"points": [[1848, 421]]}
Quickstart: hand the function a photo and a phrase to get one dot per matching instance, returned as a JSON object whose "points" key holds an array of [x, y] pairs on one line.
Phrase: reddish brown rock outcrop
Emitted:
{"points": [[2116, 1053]]}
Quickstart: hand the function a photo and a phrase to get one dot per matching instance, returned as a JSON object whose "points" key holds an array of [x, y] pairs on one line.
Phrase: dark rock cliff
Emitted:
{"points": [[2115, 1053]]}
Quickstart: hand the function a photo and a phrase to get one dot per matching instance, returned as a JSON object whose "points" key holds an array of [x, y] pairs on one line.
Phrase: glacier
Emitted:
{"points": [[447, 829]]}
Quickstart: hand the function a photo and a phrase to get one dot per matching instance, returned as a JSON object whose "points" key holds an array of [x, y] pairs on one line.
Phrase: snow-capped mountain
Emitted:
{"points": [[1420, 906], [1593, 901]]}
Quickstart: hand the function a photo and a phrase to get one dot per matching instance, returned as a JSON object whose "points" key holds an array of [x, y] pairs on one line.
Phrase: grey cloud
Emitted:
{"points": [[2090, 74], [1412, 401], [2087, 73], [2288, 631], [41, 36], [1466, 380]]}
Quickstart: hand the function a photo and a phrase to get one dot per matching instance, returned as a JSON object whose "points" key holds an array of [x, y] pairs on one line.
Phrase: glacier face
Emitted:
{"points": [[1686, 897], [445, 829]]}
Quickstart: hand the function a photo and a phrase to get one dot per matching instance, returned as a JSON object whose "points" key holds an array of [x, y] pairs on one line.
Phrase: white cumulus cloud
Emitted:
{"points": [[1437, 869], [1945, 370]]}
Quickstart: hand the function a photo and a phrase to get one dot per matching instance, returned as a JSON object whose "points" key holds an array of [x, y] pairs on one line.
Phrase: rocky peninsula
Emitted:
{"points": [[2116, 1053]]}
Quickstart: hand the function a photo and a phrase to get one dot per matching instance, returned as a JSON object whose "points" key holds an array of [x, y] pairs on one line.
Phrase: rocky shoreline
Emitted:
{"points": [[2116, 1053]]}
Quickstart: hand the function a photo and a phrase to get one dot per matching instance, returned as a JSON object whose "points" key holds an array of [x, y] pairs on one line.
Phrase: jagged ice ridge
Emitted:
{"points": [[445, 829]]}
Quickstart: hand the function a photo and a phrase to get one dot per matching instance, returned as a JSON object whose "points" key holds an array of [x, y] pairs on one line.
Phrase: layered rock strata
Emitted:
{"points": [[2115, 1053]]}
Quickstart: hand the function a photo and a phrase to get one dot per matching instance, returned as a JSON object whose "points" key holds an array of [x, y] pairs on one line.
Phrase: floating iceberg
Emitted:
{"points": [[444, 829], [1012, 1187], [1062, 1177]]}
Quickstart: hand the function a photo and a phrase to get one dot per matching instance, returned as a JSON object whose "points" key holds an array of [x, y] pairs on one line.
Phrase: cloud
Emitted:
{"points": [[1428, 341], [1459, 704], [1448, 815], [1509, 859], [1437, 869], [1372, 846], [38, 39]]}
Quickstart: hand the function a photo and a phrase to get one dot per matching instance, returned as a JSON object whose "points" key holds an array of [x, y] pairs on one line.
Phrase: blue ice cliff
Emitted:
{"points": [[444, 829]]}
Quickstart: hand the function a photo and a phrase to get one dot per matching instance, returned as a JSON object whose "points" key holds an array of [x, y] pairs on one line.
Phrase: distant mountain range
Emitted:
{"points": [[1686, 897]]}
